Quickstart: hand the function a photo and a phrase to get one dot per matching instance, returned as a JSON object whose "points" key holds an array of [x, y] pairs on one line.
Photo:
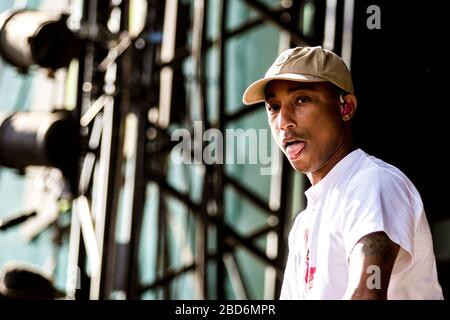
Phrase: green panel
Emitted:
{"points": [[247, 58], [6, 4], [252, 273], [240, 13], [15, 89], [241, 214], [147, 249], [252, 142]]}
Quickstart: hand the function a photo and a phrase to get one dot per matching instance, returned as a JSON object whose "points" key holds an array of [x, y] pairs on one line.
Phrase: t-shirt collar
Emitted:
{"points": [[314, 192]]}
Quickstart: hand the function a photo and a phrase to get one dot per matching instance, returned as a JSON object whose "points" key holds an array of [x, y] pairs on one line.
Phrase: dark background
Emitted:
{"points": [[400, 74]]}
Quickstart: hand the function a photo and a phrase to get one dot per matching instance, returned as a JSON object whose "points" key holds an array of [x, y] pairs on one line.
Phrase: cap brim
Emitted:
{"points": [[255, 91]]}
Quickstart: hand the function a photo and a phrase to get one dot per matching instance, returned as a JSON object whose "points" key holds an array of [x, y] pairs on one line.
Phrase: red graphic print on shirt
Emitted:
{"points": [[310, 271]]}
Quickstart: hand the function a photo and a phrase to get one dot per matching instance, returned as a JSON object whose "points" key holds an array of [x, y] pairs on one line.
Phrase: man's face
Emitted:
{"points": [[306, 121]]}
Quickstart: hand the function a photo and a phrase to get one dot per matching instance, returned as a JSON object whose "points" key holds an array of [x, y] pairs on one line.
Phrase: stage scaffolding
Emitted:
{"points": [[132, 91], [131, 106]]}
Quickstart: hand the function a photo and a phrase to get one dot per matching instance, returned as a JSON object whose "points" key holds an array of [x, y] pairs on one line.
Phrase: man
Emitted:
{"points": [[364, 233]]}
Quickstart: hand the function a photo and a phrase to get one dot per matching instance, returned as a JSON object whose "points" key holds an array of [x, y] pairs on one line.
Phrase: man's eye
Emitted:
{"points": [[302, 99], [273, 107]]}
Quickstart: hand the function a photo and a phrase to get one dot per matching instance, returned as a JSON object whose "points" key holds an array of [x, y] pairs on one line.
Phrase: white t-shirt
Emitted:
{"points": [[360, 195]]}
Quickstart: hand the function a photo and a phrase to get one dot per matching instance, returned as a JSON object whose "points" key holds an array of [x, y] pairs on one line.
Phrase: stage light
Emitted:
{"points": [[37, 138], [22, 281], [36, 38]]}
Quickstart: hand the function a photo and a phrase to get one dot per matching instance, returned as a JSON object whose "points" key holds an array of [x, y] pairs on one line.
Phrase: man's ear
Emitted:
{"points": [[348, 106]]}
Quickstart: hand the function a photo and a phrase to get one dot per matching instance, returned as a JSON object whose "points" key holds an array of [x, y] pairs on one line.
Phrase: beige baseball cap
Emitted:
{"points": [[303, 64]]}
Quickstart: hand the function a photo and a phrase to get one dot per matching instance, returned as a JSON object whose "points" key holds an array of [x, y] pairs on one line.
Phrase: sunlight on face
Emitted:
{"points": [[305, 120]]}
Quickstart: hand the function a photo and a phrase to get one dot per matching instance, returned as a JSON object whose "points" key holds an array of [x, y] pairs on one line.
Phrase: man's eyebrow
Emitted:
{"points": [[300, 86], [269, 95]]}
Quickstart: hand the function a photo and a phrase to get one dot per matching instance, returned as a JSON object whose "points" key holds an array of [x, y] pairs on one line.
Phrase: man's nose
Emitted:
{"points": [[286, 118]]}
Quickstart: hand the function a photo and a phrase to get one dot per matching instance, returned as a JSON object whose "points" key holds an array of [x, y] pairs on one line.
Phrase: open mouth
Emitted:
{"points": [[294, 148]]}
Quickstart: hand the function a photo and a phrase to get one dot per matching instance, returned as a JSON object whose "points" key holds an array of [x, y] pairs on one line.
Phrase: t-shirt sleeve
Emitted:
{"points": [[378, 200]]}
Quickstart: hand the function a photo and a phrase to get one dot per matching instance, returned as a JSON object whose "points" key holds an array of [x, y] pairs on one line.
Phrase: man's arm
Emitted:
{"points": [[370, 266]]}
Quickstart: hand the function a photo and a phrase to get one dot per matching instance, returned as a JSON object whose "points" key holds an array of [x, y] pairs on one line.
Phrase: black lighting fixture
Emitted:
{"points": [[39, 138], [30, 37], [21, 281]]}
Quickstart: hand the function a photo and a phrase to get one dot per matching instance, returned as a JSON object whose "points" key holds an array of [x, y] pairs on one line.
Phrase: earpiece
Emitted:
{"points": [[341, 98]]}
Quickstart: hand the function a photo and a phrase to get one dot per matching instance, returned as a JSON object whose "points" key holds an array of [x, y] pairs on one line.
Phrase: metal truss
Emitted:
{"points": [[123, 80]]}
